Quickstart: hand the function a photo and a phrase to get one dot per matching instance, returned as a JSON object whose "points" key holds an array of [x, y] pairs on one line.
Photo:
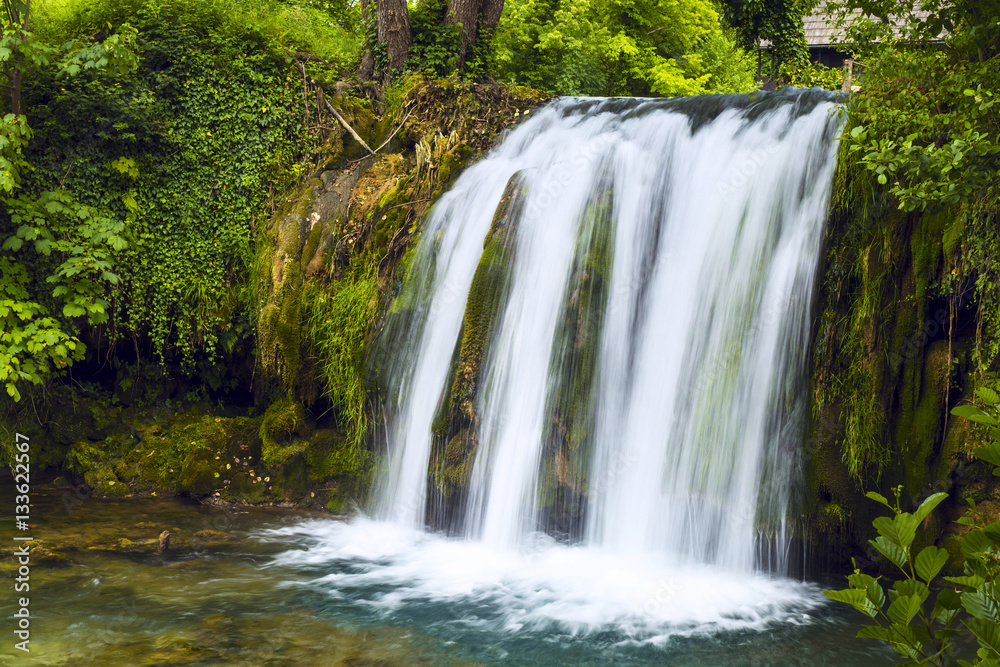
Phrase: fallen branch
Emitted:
{"points": [[393, 133], [348, 127]]}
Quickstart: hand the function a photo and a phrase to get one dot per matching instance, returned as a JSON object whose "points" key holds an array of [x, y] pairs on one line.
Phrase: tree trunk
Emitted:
{"points": [[394, 32], [490, 18], [465, 12], [14, 81], [366, 71]]}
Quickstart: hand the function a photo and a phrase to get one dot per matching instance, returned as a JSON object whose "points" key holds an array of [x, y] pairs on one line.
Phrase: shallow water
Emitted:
{"points": [[280, 587]]}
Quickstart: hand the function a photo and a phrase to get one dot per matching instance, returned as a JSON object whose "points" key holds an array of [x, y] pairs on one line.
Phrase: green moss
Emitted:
{"points": [[199, 472], [452, 163], [340, 318], [458, 460], [483, 306], [330, 455], [926, 248], [312, 243], [289, 325], [954, 232], [920, 427], [282, 420], [574, 366], [275, 454]]}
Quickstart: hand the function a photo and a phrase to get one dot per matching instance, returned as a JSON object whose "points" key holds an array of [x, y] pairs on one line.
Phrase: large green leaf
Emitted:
{"points": [[987, 632], [974, 581], [856, 598], [899, 530], [926, 507], [972, 413], [990, 454], [879, 498], [890, 550], [904, 608], [929, 562], [851, 596], [948, 599], [909, 587], [979, 604], [988, 395], [976, 542]]}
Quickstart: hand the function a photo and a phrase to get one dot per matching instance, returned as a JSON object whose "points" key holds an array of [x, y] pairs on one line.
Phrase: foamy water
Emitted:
{"points": [[542, 587]]}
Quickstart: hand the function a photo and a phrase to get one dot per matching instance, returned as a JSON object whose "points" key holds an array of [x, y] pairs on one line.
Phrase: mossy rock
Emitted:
{"points": [[111, 489], [459, 457], [199, 472], [283, 420], [43, 556], [275, 454], [340, 506]]}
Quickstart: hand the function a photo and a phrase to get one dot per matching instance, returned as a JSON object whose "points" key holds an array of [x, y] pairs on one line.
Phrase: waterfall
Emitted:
{"points": [[602, 334]]}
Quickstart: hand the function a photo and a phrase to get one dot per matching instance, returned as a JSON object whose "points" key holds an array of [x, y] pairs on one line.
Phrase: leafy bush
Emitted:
{"points": [[920, 632], [811, 75], [925, 119], [619, 47], [211, 124], [435, 41]]}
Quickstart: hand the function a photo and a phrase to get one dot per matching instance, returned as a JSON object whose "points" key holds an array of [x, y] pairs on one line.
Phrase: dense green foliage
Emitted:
{"points": [[619, 47], [923, 633], [57, 255], [778, 22], [143, 184], [435, 41], [925, 120]]}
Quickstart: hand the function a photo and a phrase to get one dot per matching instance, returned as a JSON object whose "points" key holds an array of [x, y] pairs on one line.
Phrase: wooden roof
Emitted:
{"points": [[820, 31]]}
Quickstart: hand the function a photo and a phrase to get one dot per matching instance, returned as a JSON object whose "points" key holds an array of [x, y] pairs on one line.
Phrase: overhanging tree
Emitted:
{"points": [[779, 22], [48, 238]]}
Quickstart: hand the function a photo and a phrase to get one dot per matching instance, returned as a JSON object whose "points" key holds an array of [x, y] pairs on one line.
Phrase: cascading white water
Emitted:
{"points": [[714, 236], [638, 386]]}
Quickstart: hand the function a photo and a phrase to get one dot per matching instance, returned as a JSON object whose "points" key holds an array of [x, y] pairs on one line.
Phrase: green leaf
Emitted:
{"points": [[929, 562], [73, 310], [904, 608], [948, 602], [987, 632], [988, 395], [973, 581], [928, 506], [879, 498], [990, 454], [979, 604], [900, 530], [852, 596], [976, 542], [890, 550], [973, 413], [911, 587]]}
